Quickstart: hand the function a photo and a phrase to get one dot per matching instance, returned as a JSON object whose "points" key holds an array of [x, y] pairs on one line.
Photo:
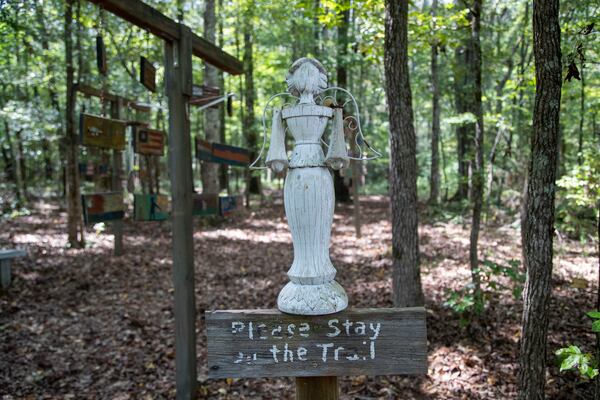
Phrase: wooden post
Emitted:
{"points": [[116, 185], [320, 387], [178, 70], [5, 277]]}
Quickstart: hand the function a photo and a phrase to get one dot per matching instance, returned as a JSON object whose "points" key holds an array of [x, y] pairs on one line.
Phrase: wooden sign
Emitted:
{"points": [[205, 204], [203, 150], [100, 207], [268, 343], [228, 204], [231, 155], [149, 141], [101, 56], [147, 74], [150, 207], [102, 132]]}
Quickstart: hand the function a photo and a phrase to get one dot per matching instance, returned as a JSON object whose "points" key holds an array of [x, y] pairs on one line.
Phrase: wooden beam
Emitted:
{"points": [[152, 20], [319, 387], [178, 57]]}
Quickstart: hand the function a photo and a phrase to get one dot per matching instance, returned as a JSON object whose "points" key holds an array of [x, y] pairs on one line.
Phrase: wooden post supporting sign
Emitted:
{"points": [[178, 70]]}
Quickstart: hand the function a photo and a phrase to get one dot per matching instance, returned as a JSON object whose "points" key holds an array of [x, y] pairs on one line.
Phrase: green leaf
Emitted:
{"points": [[569, 362], [596, 326], [593, 314]]}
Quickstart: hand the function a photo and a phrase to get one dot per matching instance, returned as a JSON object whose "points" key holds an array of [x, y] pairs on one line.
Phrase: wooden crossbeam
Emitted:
{"points": [[88, 90], [152, 20]]}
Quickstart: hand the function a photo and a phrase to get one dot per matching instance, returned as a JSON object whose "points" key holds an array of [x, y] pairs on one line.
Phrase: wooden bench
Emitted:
{"points": [[6, 257]]}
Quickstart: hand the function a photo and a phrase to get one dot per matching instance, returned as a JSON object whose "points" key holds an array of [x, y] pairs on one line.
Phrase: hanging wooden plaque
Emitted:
{"points": [[203, 150], [231, 155], [147, 74], [101, 56], [102, 132], [229, 204], [150, 207], [148, 141], [100, 207]]}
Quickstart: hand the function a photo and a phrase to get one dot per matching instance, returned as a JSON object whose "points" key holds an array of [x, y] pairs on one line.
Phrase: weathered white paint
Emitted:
{"points": [[308, 193]]}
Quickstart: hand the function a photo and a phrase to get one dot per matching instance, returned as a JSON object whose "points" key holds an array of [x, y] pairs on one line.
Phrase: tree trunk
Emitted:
{"points": [[538, 227], [477, 162], [434, 178], [581, 118], [462, 57], [341, 185], [223, 168], [252, 181], [212, 120], [21, 164], [11, 164], [72, 171], [403, 162]]}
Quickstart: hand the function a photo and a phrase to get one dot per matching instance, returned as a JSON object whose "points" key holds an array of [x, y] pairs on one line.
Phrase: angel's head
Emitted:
{"points": [[306, 79]]}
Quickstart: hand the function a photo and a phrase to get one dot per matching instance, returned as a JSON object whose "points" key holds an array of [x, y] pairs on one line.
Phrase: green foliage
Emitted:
{"points": [[465, 303], [578, 192], [573, 359]]}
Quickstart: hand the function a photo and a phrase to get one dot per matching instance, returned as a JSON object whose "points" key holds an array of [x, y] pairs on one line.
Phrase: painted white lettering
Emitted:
{"points": [[240, 358], [332, 324], [336, 353], [237, 326], [290, 330], [301, 353], [352, 358], [360, 328], [372, 349], [304, 327], [325, 346], [347, 324], [375, 330], [250, 331], [274, 350], [276, 330], [287, 354], [261, 328]]}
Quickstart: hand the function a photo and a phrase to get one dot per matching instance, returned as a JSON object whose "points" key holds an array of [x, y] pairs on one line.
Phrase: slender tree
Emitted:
{"points": [[403, 162], [538, 227], [434, 177], [477, 161], [212, 119], [71, 171]]}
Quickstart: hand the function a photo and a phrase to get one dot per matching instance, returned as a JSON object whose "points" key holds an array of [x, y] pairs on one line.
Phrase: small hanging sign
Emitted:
{"points": [[228, 205], [150, 207], [100, 207], [102, 132], [101, 56], [148, 141], [147, 74]]}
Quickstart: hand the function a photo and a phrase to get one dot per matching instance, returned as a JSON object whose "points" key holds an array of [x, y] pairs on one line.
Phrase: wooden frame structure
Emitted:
{"points": [[180, 45]]}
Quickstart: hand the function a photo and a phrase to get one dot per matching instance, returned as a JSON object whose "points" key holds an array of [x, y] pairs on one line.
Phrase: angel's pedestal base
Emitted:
{"points": [[327, 298]]}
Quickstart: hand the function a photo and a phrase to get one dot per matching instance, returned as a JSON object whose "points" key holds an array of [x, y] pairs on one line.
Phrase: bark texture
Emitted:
{"points": [[71, 171], [477, 161], [538, 227], [434, 177], [212, 118], [403, 163]]}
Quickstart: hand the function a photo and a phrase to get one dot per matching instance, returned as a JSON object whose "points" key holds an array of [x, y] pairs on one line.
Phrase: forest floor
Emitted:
{"points": [[83, 324]]}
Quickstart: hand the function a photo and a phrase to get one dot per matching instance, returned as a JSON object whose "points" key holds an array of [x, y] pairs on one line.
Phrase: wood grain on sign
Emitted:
{"points": [[228, 204], [149, 141], [100, 207], [147, 74], [102, 132], [203, 150], [268, 343], [231, 155], [205, 204]]}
